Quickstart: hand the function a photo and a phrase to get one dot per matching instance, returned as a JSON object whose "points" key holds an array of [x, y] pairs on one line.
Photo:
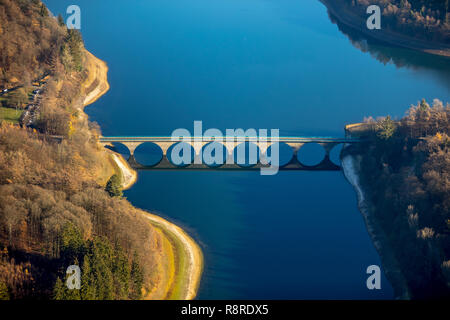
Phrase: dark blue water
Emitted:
{"points": [[251, 64]]}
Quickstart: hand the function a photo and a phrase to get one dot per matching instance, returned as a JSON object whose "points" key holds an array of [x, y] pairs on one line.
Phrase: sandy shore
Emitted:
{"points": [[182, 258], [184, 282], [95, 86], [350, 19], [189, 272], [350, 166], [96, 83], [129, 176]]}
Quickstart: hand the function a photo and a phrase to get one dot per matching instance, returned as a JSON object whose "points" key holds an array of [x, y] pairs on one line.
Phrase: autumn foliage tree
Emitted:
{"points": [[54, 210], [51, 206], [406, 174], [420, 19]]}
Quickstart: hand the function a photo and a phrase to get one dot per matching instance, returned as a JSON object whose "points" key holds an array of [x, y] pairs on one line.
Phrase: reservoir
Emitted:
{"points": [[263, 64]]}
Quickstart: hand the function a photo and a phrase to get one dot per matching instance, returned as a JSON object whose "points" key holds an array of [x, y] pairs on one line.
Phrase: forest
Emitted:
{"points": [[405, 169], [31, 43], [423, 19], [55, 211]]}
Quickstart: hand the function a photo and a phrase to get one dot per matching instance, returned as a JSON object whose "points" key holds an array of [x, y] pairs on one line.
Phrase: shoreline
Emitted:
{"points": [[129, 176], [389, 262], [348, 18], [100, 75], [184, 283]]}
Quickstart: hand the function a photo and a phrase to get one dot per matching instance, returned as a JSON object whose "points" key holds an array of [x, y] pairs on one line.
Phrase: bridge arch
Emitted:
{"points": [[246, 154], [181, 154], [214, 154], [119, 147], [285, 151], [311, 154], [148, 154], [262, 147], [335, 153]]}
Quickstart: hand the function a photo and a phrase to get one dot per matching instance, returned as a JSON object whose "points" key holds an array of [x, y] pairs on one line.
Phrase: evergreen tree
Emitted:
{"points": [[44, 11], [59, 290], [4, 294], [121, 273], [101, 257], [137, 279], [61, 20], [74, 41], [72, 244], [105, 282], [72, 294], [87, 281], [114, 186]]}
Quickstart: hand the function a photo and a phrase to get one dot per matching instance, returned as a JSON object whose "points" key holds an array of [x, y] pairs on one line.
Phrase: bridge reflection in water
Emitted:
{"points": [[230, 144]]}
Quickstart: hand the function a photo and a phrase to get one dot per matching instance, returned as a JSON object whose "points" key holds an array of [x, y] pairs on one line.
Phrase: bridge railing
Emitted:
{"points": [[228, 139]]}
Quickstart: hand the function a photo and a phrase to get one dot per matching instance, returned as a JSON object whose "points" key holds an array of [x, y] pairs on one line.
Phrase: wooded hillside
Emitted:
{"points": [[423, 19], [405, 172], [54, 211]]}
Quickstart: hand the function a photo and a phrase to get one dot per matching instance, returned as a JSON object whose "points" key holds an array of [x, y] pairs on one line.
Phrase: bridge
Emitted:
{"points": [[230, 144]]}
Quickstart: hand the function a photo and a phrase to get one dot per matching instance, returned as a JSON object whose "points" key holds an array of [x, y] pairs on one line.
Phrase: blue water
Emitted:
{"points": [[252, 64]]}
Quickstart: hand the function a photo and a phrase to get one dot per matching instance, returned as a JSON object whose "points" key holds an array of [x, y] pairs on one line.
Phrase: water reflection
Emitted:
{"points": [[400, 57]]}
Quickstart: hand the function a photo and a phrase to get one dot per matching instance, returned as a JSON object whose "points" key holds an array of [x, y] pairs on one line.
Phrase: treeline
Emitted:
{"points": [[406, 174], [44, 186], [54, 210], [30, 41], [61, 96], [424, 19], [106, 271], [33, 44]]}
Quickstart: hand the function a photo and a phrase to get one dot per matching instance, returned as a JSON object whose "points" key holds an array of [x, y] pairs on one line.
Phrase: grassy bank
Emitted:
{"points": [[10, 115], [181, 264]]}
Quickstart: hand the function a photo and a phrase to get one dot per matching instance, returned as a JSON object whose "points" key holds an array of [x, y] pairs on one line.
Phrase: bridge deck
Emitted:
{"points": [[165, 142], [225, 139]]}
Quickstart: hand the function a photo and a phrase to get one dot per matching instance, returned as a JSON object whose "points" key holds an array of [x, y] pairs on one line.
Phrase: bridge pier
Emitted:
{"points": [[229, 148], [132, 161], [132, 146], [197, 146], [165, 146], [328, 147]]}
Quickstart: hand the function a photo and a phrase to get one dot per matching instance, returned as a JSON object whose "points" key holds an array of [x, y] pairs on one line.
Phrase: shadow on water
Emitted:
{"points": [[400, 57]]}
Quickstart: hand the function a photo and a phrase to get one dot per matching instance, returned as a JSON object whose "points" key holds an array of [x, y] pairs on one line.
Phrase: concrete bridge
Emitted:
{"points": [[230, 144]]}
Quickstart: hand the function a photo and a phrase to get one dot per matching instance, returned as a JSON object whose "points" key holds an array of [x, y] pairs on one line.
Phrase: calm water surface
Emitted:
{"points": [[253, 64]]}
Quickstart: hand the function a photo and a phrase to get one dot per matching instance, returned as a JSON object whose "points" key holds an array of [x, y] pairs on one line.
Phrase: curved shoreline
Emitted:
{"points": [[390, 265], [348, 18], [100, 75], [184, 283], [129, 176], [186, 288]]}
